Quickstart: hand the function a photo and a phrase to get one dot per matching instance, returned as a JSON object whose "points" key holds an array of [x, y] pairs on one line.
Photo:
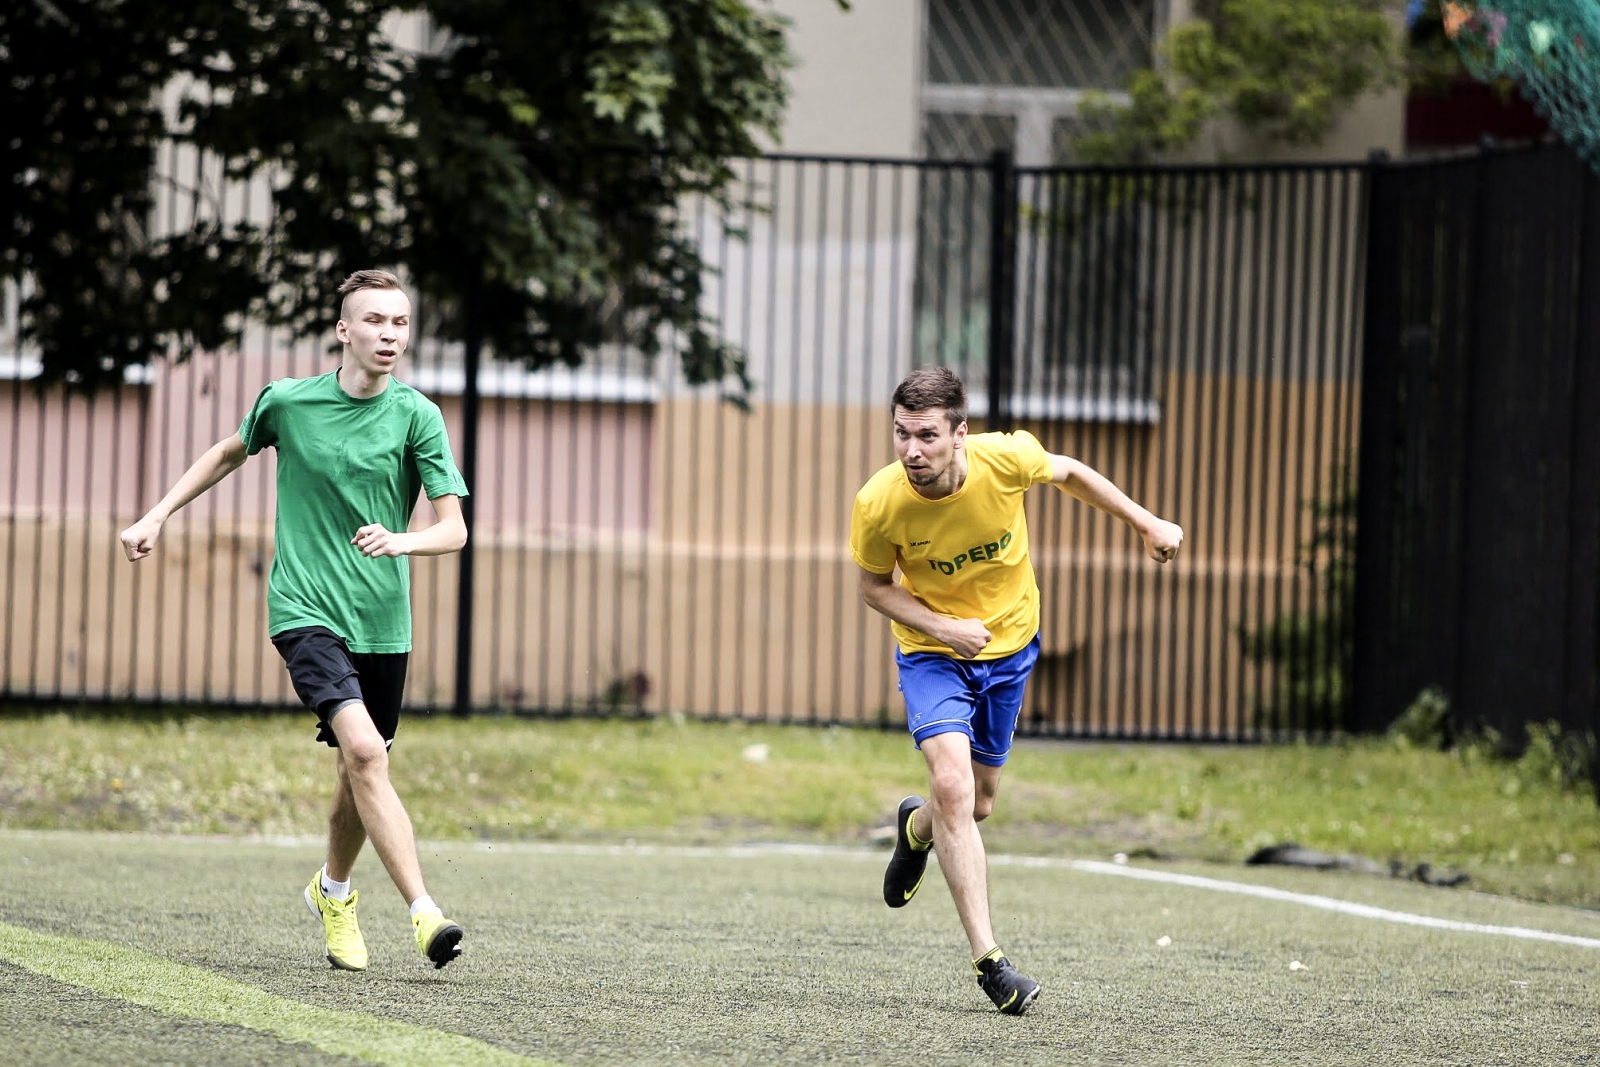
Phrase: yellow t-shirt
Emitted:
{"points": [[966, 555]]}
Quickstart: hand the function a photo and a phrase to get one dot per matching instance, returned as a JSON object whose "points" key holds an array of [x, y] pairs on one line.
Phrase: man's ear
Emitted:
{"points": [[342, 332]]}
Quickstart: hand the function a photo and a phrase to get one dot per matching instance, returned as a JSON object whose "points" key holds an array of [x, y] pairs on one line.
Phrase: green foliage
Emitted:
{"points": [[1551, 758], [1425, 724], [1311, 652], [1556, 758], [528, 165], [1161, 116], [1283, 67]]}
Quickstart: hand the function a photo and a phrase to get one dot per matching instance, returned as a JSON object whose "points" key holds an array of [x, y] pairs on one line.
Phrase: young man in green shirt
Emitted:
{"points": [[355, 447]]}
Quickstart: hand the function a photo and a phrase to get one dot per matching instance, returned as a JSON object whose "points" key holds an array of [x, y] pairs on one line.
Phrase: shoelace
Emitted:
{"points": [[341, 913]]}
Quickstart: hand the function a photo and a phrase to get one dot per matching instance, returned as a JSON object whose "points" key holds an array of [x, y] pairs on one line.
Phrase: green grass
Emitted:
{"points": [[1509, 826]]}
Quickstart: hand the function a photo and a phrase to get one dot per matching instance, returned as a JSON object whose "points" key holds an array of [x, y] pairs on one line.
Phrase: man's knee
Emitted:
{"points": [[982, 808], [952, 789], [364, 757]]}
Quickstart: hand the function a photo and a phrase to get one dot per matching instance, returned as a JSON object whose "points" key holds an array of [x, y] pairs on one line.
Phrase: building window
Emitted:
{"points": [[1011, 74], [1026, 61]]}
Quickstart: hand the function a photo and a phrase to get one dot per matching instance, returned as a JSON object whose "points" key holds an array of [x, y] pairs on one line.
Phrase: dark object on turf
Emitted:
{"points": [[1293, 855], [1010, 991], [907, 865], [1424, 873]]}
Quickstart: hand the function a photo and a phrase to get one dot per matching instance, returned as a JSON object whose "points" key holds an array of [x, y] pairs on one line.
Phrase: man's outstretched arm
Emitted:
{"points": [[219, 461], [447, 534], [1082, 482]]}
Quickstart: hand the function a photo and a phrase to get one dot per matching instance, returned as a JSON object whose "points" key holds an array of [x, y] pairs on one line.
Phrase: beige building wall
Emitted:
{"points": [[855, 89]]}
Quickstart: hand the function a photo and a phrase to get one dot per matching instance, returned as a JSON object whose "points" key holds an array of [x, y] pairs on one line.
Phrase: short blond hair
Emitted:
{"points": [[366, 279]]}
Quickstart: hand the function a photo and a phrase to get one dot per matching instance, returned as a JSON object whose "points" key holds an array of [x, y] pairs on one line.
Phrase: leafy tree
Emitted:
{"points": [[524, 168], [1282, 67]]}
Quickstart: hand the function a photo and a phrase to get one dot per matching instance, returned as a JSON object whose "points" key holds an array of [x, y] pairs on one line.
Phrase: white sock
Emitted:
{"points": [[334, 890], [423, 903]]}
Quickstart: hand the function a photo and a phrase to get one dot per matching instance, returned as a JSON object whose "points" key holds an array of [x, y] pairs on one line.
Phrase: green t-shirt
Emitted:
{"points": [[344, 463]]}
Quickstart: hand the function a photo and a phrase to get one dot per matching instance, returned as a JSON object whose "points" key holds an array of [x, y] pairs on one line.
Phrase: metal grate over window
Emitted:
{"points": [[1010, 75], [1043, 44]]}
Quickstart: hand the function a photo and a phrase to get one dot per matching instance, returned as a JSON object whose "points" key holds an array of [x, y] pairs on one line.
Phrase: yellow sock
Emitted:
{"points": [[911, 833], [992, 955]]}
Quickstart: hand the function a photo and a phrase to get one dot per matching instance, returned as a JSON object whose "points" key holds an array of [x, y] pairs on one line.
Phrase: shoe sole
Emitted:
{"points": [[1026, 1001], [902, 898], [445, 946], [317, 915]]}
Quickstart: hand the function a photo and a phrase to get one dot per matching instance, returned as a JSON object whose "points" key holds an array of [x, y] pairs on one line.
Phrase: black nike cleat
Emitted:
{"points": [[1010, 991], [907, 865]]}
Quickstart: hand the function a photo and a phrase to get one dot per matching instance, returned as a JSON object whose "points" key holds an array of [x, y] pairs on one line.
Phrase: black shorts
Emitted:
{"points": [[327, 676]]}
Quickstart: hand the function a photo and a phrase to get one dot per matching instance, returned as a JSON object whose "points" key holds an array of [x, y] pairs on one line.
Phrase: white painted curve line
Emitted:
{"points": [[1310, 900]]}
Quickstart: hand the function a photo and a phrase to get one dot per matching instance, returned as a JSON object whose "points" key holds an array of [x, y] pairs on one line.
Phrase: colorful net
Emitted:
{"points": [[1551, 48]]}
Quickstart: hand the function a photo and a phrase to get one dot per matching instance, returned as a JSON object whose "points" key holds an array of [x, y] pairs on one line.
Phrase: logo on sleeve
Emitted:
{"points": [[975, 554]]}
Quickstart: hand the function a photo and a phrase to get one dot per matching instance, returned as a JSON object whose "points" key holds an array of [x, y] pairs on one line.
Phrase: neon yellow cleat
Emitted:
{"points": [[437, 937], [345, 947]]}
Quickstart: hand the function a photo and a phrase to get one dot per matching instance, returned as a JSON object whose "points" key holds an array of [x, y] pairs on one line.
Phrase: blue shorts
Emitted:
{"points": [[980, 698]]}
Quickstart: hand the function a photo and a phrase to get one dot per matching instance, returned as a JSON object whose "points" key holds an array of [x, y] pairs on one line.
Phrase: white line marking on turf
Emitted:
{"points": [[178, 989], [1192, 881], [1310, 900]]}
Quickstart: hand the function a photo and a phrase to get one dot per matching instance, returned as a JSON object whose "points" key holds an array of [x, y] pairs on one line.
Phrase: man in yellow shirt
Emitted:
{"points": [[965, 614]]}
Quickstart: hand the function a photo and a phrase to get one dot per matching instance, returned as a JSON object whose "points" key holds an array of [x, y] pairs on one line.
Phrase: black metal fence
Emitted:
{"points": [[641, 546], [1480, 477]]}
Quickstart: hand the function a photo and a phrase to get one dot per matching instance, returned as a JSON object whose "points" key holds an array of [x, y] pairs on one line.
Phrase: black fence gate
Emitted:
{"points": [[1479, 521]]}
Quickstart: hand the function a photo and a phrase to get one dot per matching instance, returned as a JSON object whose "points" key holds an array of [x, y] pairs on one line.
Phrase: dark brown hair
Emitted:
{"points": [[933, 387]]}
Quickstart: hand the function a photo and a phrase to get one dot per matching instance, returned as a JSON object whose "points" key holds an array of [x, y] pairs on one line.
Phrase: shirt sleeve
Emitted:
{"points": [[430, 450], [1033, 462], [260, 427], [868, 547]]}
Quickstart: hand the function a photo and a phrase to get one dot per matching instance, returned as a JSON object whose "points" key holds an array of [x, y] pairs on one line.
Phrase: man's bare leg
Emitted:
{"points": [[961, 793], [364, 770], [346, 835]]}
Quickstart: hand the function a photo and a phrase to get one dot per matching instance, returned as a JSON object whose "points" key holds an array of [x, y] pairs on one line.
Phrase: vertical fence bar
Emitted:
{"points": [[775, 205], [1583, 685], [1002, 288], [868, 397], [14, 481], [470, 403]]}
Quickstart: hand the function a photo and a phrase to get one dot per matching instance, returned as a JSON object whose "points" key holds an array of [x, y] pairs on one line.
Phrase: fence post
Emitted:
{"points": [[1584, 689], [470, 403], [1002, 287], [1380, 383]]}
